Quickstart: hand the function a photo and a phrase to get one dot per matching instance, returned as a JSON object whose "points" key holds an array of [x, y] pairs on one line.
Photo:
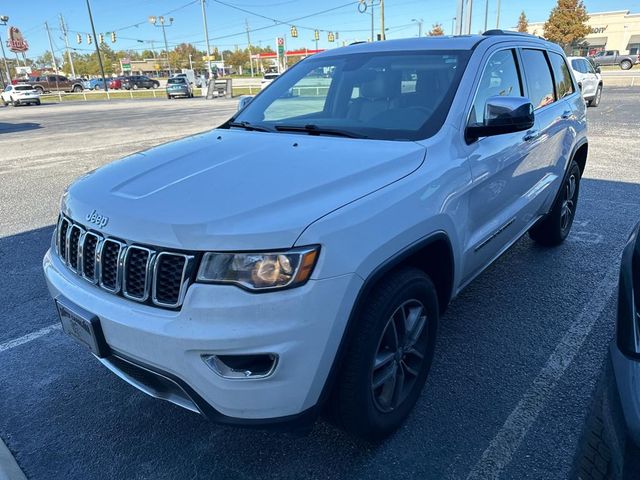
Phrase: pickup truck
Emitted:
{"points": [[55, 83], [613, 57]]}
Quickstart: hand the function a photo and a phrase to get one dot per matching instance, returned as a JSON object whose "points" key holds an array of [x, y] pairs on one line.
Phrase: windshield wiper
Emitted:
{"points": [[316, 130], [249, 126]]}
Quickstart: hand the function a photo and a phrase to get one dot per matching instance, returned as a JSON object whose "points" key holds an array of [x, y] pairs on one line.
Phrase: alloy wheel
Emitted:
{"points": [[568, 203], [399, 356]]}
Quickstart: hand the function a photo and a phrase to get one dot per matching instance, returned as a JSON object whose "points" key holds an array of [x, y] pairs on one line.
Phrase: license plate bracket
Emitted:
{"points": [[82, 326]]}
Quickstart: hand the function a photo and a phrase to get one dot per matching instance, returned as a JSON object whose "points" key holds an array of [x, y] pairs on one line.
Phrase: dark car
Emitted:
{"points": [[139, 81], [610, 446], [55, 83], [179, 87]]}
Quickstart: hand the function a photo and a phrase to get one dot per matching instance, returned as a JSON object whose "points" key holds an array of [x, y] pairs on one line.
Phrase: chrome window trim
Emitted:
{"points": [[148, 272], [184, 279]]}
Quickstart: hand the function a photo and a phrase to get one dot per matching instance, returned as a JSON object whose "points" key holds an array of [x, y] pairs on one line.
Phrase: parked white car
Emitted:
{"points": [[267, 79], [299, 256], [589, 79], [20, 94]]}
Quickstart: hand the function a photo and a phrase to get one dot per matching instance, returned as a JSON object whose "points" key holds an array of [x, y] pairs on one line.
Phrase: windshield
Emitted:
{"points": [[174, 81], [382, 95]]}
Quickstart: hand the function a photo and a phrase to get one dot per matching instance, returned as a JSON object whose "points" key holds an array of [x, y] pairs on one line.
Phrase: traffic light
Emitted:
{"points": [[316, 35], [78, 38], [101, 36], [294, 32], [89, 39], [113, 37], [331, 37]]}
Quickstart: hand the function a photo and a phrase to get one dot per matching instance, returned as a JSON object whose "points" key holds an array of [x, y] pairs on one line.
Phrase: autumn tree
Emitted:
{"points": [[567, 23], [523, 23], [436, 30]]}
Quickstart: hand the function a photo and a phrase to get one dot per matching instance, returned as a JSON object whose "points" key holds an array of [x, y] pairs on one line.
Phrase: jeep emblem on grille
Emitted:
{"points": [[97, 219]]}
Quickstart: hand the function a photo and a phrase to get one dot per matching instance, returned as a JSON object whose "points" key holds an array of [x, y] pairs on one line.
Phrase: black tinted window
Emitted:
{"points": [[500, 77], [564, 84], [539, 81]]}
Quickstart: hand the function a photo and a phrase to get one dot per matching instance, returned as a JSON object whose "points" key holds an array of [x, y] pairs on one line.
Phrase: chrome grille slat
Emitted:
{"points": [[138, 273]]}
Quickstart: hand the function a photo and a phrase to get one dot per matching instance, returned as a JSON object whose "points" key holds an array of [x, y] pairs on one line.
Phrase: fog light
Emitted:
{"points": [[242, 366]]}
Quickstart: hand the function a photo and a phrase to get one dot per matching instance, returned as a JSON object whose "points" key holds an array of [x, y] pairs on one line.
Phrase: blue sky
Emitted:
{"points": [[227, 25]]}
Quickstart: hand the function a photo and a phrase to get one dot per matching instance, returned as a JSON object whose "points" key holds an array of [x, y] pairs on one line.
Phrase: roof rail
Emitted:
{"points": [[358, 42], [497, 31]]}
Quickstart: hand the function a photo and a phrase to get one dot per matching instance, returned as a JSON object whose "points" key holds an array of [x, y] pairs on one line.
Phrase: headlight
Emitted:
{"points": [[259, 271]]}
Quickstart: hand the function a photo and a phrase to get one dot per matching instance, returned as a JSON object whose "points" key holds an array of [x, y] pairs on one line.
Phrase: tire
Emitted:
{"points": [[553, 229], [40, 90], [76, 89], [373, 411], [38, 102], [156, 85], [626, 64], [595, 101], [169, 97], [135, 86], [3, 102]]}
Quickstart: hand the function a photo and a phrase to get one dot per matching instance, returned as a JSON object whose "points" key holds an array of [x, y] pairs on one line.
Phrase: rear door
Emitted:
{"points": [[548, 84], [592, 77]]}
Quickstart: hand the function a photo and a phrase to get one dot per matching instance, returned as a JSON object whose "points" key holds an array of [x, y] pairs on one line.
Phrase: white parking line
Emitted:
{"points": [[501, 449], [29, 337]]}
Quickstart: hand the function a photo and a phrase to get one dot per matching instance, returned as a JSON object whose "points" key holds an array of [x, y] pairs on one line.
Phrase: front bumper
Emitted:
{"points": [[302, 326], [627, 380]]}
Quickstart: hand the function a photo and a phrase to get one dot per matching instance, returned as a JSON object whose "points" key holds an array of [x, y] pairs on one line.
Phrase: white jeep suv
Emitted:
{"points": [[300, 255]]}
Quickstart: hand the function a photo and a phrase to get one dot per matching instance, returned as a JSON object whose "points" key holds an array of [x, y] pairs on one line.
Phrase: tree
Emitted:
{"points": [[436, 30], [567, 23], [523, 23]]}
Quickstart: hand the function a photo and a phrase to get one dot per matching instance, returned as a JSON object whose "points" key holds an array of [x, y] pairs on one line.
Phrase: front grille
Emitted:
{"points": [[136, 272]]}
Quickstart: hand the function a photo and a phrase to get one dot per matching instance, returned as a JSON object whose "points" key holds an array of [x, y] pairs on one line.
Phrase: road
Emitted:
{"points": [[518, 352]]}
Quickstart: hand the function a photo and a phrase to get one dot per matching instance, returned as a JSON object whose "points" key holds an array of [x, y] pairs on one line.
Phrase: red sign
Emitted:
{"points": [[280, 41], [16, 42]]}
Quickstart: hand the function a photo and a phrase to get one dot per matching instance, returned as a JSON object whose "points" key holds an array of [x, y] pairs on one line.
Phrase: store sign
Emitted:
{"points": [[599, 29], [16, 42], [280, 46], [126, 64]]}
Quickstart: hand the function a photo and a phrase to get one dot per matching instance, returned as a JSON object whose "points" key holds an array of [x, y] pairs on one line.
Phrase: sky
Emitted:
{"points": [[227, 25]]}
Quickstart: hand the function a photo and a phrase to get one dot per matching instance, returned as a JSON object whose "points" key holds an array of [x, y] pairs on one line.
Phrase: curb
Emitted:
{"points": [[9, 469]]}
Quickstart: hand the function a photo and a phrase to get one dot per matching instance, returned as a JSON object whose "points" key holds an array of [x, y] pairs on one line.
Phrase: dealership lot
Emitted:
{"points": [[518, 354]]}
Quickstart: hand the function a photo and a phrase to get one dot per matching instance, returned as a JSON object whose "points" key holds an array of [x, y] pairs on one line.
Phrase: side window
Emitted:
{"points": [[500, 77], [62, 79], [8, 89], [52, 79], [588, 66], [564, 84], [539, 81], [577, 65]]}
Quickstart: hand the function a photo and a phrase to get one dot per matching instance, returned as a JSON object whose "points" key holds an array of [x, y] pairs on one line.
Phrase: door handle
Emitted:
{"points": [[531, 135], [566, 114]]}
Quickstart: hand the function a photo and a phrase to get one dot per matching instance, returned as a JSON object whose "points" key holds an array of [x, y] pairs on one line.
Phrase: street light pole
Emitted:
{"points": [[160, 20], [246, 23], [95, 41], [419, 22], [53, 56], [3, 21], [206, 37]]}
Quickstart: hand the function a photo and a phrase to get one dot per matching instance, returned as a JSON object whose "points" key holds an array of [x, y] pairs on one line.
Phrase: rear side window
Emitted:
{"points": [[564, 84], [500, 77], [577, 65], [539, 80]]}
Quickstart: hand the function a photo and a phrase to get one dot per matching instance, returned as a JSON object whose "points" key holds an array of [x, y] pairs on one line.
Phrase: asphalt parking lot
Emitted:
{"points": [[518, 354]]}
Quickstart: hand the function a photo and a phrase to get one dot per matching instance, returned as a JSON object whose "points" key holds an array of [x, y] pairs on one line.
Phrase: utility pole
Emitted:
{"points": [[246, 24], [486, 14], [55, 64], [160, 22], [382, 34], [468, 16], [63, 27], [3, 21], [95, 41], [498, 15], [206, 37], [458, 17]]}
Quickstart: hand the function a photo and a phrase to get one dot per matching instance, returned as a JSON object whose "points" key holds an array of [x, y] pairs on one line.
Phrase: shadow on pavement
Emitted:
{"points": [[18, 127]]}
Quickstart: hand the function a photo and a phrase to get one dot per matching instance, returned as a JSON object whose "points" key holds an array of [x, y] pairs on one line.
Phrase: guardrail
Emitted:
{"points": [[92, 95], [621, 81]]}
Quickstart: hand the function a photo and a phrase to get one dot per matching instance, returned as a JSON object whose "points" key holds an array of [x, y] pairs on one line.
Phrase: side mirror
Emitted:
{"points": [[244, 101], [598, 70], [503, 115]]}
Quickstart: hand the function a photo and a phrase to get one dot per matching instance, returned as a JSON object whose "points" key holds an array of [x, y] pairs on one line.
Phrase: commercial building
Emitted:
{"points": [[618, 30]]}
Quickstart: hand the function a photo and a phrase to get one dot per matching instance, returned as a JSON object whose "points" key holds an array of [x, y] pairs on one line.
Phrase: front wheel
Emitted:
{"points": [[552, 229], [595, 101], [626, 64], [135, 86], [76, 89], [389, 357]]}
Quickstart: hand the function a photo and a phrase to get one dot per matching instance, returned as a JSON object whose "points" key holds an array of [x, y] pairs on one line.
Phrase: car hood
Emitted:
{"points": [[234, 189]]}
